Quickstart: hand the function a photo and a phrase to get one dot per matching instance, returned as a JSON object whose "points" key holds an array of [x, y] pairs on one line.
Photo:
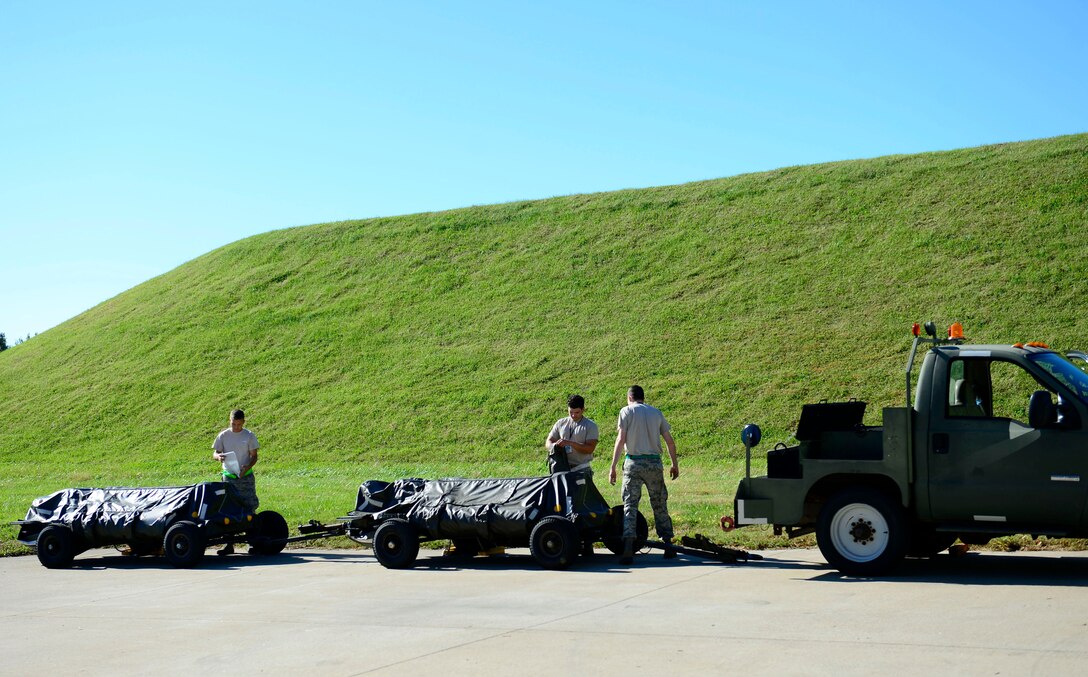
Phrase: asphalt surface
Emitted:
{"points": [[336, 612]]}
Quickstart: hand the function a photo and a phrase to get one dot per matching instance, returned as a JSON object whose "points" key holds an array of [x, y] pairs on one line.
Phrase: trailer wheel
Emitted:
{"points": [[861, 532], [268, 535], [554, 542], [56, 547], [613, 538], [184, 545], [396, 544]]}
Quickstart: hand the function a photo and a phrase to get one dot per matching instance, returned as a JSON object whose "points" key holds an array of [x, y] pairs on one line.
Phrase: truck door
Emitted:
{"points": [[987, 465]]}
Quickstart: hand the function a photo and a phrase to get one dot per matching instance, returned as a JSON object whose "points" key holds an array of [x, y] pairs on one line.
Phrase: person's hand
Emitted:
{"points": [[612, 475], [674, 471], [219, 457]]}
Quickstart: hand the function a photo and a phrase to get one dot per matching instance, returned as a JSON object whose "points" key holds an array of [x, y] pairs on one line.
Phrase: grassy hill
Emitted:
{"points": [[445, 343]]}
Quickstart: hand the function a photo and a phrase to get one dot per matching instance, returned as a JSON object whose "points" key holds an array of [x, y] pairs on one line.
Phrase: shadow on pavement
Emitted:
{"points": [[974, 568], [600, 561], [112, 559]]}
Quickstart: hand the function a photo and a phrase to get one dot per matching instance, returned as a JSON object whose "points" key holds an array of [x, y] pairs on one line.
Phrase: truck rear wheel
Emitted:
{"points": [[861, 532]]}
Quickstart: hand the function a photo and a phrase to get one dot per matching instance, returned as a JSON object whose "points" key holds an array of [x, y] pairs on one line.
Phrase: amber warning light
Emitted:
{"points": [[955, 331], [916, 329]]}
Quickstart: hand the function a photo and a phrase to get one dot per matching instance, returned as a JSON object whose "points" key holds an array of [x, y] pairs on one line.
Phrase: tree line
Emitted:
{"points": [[4, 341]]}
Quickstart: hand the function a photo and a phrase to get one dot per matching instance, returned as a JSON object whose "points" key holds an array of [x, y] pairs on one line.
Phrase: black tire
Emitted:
{"points": [[613, 538], [862, 532], [925, 541], [268, 534], [396, 544], [554, 542], [184, 545], [56, 547]]}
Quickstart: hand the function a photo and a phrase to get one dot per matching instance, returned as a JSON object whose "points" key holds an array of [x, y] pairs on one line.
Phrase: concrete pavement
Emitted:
{"points": [[338, 612]]}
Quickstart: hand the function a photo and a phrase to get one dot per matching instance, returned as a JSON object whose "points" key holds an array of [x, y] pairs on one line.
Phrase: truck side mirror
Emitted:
{"points": [[1041, 411]]}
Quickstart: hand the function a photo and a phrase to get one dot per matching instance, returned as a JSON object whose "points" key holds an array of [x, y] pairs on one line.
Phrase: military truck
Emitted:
{"points": [[995, 443]]}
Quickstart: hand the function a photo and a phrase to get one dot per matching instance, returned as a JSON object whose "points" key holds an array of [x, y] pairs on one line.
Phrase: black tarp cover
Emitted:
{"points": [[488, 509], [127, 515]]}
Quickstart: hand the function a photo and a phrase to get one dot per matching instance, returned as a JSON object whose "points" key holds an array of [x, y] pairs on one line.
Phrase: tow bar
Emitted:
{"points": [[314, 530], [701, 546]]}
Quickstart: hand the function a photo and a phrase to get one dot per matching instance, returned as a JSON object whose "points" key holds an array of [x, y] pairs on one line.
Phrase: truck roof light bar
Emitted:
{"points": [[955, 337]]}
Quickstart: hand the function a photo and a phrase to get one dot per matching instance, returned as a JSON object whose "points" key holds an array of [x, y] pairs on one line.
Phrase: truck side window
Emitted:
{"points": [[965, 391], [955, 378], [1012, 389]]}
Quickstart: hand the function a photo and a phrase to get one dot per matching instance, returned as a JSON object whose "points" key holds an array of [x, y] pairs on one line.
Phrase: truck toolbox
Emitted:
{"points": [[828, 416], [784, 462]]}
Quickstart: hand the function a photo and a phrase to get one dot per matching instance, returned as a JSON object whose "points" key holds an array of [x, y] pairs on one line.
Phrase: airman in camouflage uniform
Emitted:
{"points": [[640, 431]]}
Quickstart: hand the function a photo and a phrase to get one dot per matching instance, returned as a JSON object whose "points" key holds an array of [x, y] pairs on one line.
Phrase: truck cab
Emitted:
{"points": [[994, 443]]}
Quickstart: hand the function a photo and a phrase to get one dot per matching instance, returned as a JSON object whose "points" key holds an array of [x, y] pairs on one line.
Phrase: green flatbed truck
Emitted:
{"points": [[995, 443]]}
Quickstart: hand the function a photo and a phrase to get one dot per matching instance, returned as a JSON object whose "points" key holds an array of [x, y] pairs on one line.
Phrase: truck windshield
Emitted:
{"points": [[1065, 371]]}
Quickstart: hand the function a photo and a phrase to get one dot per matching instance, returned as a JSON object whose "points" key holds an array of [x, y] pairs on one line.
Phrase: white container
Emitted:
{"points": [[230, 464]]}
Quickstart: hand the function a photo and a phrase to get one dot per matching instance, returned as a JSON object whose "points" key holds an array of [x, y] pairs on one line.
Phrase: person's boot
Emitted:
{"points": [[228, 549], [628, 556], [669, 552]]}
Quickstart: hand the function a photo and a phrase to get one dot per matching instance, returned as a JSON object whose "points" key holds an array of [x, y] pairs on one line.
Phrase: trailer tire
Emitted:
{"points": [[268, 535], [862, 532], [396, 544], [56, 547], [184, 544], [554, 542], [613, 539]]}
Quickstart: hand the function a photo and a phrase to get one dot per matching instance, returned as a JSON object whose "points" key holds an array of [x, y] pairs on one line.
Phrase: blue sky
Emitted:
{"points": [[137, 136]]}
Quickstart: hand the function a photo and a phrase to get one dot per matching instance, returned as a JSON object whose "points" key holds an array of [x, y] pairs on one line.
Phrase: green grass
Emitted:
{"points": [[445, 343]]}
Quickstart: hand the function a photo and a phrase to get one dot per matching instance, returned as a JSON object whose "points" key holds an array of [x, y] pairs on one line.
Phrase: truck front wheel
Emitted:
{"points": [[861, 532]]}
